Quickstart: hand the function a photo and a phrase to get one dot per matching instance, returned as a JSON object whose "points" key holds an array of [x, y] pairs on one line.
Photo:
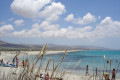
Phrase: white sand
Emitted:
{"points": [[8, 70]]}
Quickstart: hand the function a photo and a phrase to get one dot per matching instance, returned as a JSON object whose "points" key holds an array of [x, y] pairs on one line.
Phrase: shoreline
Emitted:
{"points": [[37, 52], [7, 55], [72, 76]]}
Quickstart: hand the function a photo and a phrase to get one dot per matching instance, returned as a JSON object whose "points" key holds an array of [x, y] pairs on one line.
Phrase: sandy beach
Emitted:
{"points": [[15, 71], [5, 55]]}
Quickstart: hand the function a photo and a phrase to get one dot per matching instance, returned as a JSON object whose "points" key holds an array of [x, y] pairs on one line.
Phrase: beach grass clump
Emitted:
{"points": [[30, 72]]}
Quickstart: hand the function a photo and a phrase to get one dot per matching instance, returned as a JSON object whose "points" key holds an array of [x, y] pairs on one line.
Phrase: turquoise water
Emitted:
{"points": [[94, 59]]}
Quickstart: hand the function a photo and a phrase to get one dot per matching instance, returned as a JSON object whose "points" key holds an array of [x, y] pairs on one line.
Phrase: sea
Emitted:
{"points": [[76, 62]]}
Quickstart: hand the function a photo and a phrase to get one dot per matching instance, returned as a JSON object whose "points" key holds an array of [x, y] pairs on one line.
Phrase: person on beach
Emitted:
{"points": [[23, 63], [16, 62], [13, 60], [87, 70], [26, 63], [8, 62], [96, 71], [47, 76], [113, 74], [2, 61], [8, 65], [41, 76]]}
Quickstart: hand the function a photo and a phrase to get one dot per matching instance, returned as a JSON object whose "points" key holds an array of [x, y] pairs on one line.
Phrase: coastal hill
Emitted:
{"points": [[5, 45]]}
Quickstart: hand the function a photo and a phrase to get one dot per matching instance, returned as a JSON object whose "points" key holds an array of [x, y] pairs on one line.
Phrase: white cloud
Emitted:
{"points": [[88, 18], [28, 8], [107, 27], [48, 26], [36, 26], [19, 23], [21, 33], [33, 33], [6, 29], [27, 33], [84, 29], [52, 12], [68, 32], [37, 30], [70, 17], [45, 25], [36, 9]]}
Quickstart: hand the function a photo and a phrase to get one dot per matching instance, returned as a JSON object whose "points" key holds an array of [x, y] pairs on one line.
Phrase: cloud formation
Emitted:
{"points": [[48, 26], [69, 18], [106, 28], [19, 23], [49, 11], [28, 8], [45, 25], [52, 12], [6, 30], [88, 18], [45, 9]]}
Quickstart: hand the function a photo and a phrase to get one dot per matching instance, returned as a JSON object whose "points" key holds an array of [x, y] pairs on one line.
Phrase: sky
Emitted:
{"points": [[62, 22]]}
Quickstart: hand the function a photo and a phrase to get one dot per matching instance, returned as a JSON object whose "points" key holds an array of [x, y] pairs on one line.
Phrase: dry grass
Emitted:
{"points": [[29, 72]]}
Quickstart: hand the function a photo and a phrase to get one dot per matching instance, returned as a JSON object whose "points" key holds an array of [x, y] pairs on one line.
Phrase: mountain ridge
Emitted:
{"points": [[6, 45]]}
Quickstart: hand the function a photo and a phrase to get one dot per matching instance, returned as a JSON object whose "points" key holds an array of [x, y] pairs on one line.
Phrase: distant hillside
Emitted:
{"points": [[10, 45], [6, 45], [2, 42], [52, 46]]}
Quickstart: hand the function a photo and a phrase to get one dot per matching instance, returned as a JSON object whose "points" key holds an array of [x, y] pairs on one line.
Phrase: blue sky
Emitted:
{"points": [[63, 22]]}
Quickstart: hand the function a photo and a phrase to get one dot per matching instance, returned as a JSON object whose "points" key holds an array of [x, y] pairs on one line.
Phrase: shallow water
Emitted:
{"points": [[95, 59]]}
